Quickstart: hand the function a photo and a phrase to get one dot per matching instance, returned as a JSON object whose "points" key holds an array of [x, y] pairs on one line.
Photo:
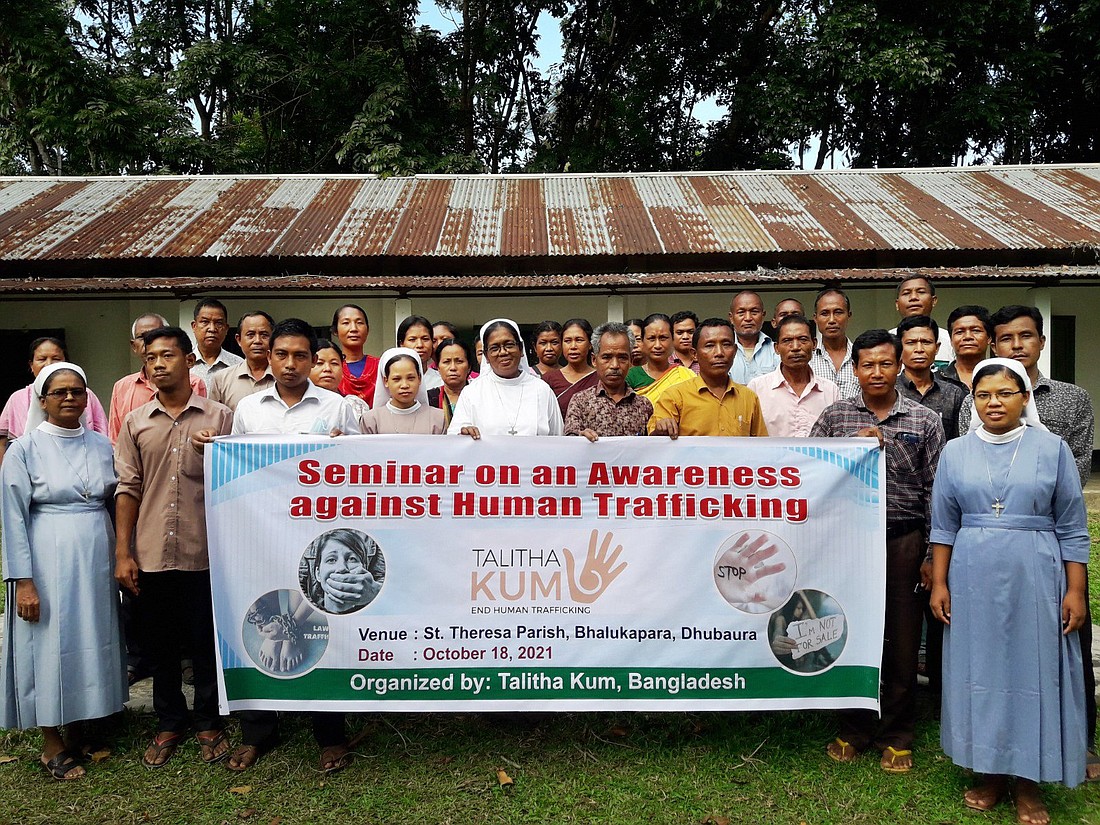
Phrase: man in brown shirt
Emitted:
{"points": [[610, 408], [254, 373], [166, 567]]}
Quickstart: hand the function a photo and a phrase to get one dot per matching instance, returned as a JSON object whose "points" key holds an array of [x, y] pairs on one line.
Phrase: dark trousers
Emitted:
{"points": [[933, 649], [900, 651], [172, 613], [261, 728], [1085, 635]]}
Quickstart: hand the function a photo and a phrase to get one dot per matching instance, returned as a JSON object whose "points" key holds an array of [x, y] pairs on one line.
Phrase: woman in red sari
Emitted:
{"points": [[360, 371]]}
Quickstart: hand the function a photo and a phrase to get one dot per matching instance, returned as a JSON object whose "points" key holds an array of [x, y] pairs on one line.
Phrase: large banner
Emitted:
{"points": [[442, 573]]}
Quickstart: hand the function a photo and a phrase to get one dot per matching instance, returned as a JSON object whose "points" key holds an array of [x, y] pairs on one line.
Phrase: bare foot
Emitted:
{"points": [[1092, 766], [1030, 809], [987, 795]]}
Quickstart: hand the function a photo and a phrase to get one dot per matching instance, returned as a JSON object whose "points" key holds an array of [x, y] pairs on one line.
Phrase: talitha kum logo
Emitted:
{"points": [[521, 574]]}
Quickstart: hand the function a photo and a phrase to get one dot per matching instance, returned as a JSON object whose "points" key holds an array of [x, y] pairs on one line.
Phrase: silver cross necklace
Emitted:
{"points": [[998, 500]]}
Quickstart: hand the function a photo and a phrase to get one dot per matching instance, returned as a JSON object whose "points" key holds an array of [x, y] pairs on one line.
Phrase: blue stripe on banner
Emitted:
{"points": [[862, 464], [232, 460], [229, 655]]}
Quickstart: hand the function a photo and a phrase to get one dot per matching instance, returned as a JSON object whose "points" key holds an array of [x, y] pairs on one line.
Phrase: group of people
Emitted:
{"points": [[985, 461]]}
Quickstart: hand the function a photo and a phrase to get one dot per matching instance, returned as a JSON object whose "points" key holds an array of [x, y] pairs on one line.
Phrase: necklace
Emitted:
{"points": [[519, 406], [86, 478], [998, 505]]}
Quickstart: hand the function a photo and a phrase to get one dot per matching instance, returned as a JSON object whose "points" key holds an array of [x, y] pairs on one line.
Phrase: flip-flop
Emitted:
{"points": [[334, 759], [841, 751], [62, 762], [209, 744], [167, 746], [892, 760]]}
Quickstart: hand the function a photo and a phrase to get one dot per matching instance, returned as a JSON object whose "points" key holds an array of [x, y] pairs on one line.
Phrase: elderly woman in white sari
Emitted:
{"points": [[507, 398]]}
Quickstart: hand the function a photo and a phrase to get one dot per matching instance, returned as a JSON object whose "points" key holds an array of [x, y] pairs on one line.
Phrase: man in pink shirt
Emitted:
{"points": [[134, 390], [792, 397]]}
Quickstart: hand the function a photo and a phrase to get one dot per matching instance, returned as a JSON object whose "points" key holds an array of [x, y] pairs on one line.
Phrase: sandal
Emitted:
{"points": [[163, 744], [896, 760], [334, 758], [62, 764], [209, 742], [244, 757], [841, 751]]}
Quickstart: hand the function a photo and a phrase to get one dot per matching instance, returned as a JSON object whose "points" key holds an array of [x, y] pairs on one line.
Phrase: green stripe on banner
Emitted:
{"points": [[503, 684]]}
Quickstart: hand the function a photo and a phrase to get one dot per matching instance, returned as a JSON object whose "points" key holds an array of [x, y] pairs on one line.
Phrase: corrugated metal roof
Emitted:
{"points": [[622, 282], [493, 224]]}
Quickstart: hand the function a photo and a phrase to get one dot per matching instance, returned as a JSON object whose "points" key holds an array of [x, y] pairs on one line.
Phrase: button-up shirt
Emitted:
{"points": [[844, 378], [223, 361], [158, 466], [593, 409], [913, 439], [1066, 410], [675, 361], [318, 413], [944, 398], [133, 391], [763, 360], [698, 411], [230, 386], [789, 414]]}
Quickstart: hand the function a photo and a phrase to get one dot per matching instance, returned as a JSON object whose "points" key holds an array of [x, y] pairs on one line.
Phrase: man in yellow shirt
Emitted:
{"points": [[712, 403]]}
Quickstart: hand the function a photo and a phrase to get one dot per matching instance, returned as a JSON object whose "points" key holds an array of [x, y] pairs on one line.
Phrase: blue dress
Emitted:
{"points": [[69, 665], [1013, 689]]}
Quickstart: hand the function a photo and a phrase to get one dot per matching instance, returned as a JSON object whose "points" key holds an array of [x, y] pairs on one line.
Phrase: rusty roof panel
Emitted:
{"points": [[834, 215], [629, 224], [419, 227], [977, 198], [1070, 193], [19, 227], [595, 217], [371, 219], [733, 223], [781, 213], [576, 216]]}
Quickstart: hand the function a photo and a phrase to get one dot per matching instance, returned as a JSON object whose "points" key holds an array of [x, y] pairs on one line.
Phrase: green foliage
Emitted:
{"points": [[185, 86]]}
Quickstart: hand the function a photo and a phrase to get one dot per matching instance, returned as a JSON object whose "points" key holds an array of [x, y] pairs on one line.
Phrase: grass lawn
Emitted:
{"points": [[599, 767]]}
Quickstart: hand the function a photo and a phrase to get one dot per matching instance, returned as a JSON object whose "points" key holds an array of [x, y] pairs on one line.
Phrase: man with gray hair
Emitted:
{"points": [[611, 407], [134, 390]]}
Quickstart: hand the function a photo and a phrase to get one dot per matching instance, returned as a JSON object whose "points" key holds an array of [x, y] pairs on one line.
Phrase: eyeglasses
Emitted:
{"points": [[1002, 395], [499, 349], [61, 395]]}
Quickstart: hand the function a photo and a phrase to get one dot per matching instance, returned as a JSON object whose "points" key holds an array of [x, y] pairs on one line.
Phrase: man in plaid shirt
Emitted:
{"points": [[912, 436]]}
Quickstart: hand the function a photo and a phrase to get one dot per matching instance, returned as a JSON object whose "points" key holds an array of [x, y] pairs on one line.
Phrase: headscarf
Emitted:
{"points": [[524, 366], [381, 394], [1030, 416], [35, 414]]}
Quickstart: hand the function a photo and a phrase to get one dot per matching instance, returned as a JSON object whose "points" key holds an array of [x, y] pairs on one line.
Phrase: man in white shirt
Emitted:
{"points": [[294, 405]]}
